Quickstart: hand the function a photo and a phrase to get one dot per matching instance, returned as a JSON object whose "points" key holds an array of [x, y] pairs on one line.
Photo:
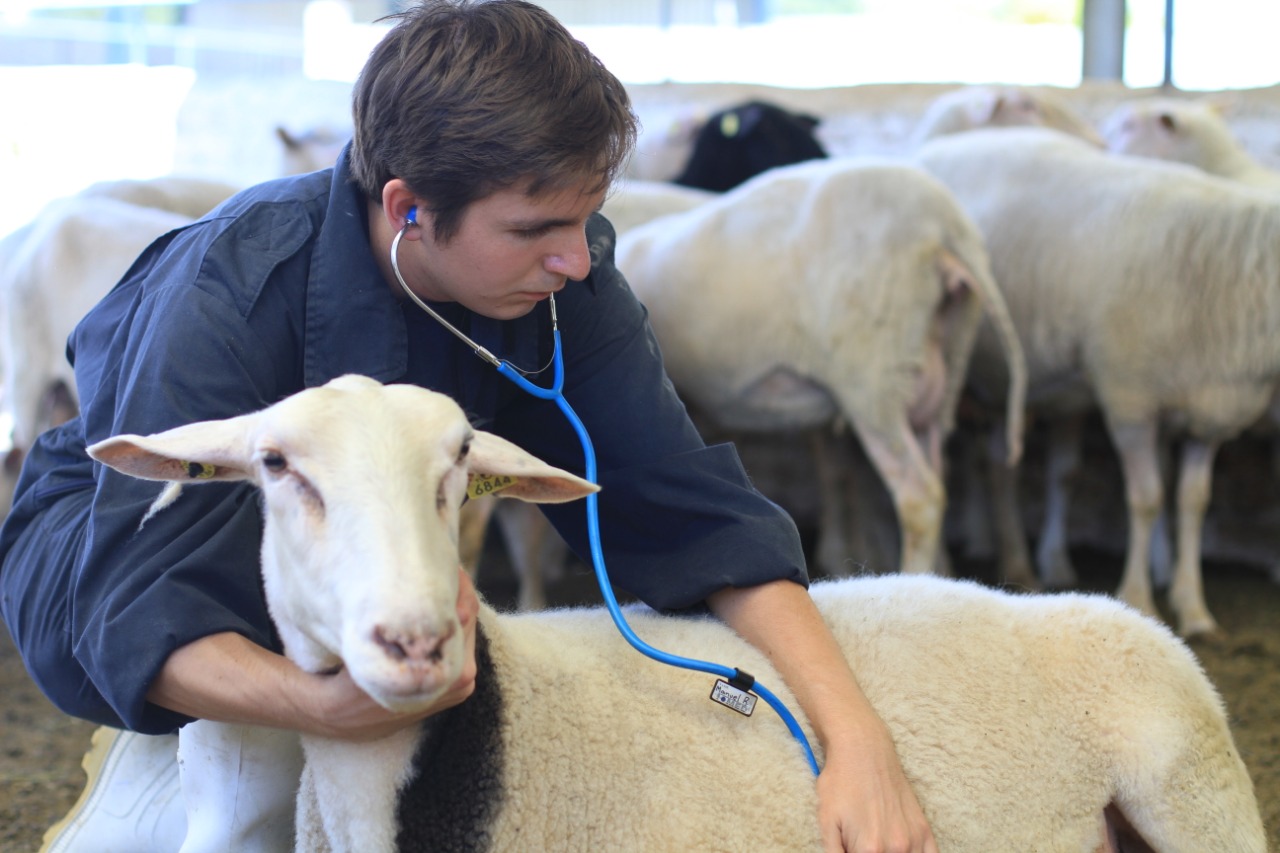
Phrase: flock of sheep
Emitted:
{"points": [[1139, 289], [1007, 258]]}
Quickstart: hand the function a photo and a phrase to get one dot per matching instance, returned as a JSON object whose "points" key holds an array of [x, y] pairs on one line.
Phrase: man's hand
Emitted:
{"points": [[227, 678], [345, 711]]}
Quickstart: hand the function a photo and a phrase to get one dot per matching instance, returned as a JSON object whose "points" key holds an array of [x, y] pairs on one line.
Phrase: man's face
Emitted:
{"points": [[510, 252]]}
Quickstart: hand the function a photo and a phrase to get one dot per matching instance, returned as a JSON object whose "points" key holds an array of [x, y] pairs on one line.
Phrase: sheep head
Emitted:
{"points": [[362, 485], [1181, 130]]}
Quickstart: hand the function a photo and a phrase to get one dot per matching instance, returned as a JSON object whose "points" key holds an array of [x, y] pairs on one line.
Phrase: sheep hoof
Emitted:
{"points": [[1201, 628]]}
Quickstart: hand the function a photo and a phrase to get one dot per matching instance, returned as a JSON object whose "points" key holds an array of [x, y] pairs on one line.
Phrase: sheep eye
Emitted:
{"points": [[274, 462], [464, 450]]}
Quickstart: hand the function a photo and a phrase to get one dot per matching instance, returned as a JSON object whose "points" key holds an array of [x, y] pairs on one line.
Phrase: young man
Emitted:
{"points": [[489, 136]]}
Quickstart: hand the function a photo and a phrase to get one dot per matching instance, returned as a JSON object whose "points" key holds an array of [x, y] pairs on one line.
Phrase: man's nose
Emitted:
{"points": [[572, 259]]}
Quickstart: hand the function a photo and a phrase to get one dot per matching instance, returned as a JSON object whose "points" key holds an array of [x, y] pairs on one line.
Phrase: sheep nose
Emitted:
{"points": [[412, 646]]}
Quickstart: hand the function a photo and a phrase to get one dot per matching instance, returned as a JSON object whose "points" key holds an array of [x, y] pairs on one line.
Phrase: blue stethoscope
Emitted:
{"points": [[736, 678]]}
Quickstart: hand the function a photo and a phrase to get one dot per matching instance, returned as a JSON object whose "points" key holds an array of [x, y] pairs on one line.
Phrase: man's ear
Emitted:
{"points": [[397, 202]]}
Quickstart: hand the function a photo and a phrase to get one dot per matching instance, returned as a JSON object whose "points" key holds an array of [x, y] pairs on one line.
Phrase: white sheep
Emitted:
{"points": [[1189, 131], [1004, 708], [1195, 132], [185, 195], [55, 268], [316, 148], [1183, 130], [1148, 289], [973, 107], [836, 289], [635, 202], [666, 141], [52, 270]]}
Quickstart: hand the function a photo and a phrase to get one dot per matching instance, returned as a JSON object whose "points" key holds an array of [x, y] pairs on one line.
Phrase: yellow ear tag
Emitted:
{"points": [[729, 125], [483, 485], [200, 470]]}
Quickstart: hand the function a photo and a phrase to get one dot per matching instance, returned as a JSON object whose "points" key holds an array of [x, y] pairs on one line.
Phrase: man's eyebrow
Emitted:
{"points": [[537, 223], [534, 224]]}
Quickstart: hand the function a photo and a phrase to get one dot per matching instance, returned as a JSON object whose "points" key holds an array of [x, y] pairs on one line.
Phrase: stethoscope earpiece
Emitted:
{"points": [[411, 218]]}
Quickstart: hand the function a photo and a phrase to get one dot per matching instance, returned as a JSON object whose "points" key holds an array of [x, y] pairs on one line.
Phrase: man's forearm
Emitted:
{"points": [[228, 678], [781, 620]]}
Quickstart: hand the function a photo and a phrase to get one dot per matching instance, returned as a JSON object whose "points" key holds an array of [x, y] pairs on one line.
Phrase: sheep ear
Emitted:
{"points": [[194, 453], [501, 468]]}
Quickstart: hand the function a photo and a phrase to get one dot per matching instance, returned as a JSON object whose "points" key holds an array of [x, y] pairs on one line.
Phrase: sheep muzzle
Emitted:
{"points": [[412, 648], [405, 665]]}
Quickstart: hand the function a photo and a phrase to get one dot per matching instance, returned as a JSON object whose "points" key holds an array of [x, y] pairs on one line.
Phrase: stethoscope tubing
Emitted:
{"points": [[556, 393]]}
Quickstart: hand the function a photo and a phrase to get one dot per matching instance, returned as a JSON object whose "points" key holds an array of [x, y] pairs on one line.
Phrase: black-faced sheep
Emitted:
{"points": [[1004, 709], [740, 142]]}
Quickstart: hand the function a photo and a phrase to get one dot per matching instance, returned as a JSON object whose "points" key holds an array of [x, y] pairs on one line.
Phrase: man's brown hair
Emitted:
{"points": [[466, 97]]}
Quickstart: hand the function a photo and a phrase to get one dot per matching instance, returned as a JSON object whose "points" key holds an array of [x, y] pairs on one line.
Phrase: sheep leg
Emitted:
{"points": [[1136, 445], [473, 525], [930, 439], [1161, 547], [1186, 596], [534, 548], [871, 524], [1002, 481], [974, 506], [832, 553], [917, 491], [1053, 558]]}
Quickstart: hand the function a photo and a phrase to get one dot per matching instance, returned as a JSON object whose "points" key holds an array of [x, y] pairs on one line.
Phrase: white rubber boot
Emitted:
{"points": [[131, 802], [240, 784]]}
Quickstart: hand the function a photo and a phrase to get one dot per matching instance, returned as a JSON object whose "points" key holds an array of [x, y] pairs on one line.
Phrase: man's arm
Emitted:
{"points": [[227, 678], [865, 800]]}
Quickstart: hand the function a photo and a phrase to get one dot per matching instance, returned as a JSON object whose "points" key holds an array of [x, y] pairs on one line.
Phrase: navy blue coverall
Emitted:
{"points": [[277, 291]]}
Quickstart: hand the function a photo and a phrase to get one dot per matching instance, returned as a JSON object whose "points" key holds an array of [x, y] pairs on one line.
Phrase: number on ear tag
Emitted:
{"points": [[483, 485]]}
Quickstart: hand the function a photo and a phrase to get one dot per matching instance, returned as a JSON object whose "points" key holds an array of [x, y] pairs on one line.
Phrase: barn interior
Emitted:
{"points": [[241, 92]]}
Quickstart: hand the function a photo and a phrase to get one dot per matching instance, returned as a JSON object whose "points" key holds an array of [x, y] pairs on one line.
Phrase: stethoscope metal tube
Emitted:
{"points": [[457, 333], [556, 394]]}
